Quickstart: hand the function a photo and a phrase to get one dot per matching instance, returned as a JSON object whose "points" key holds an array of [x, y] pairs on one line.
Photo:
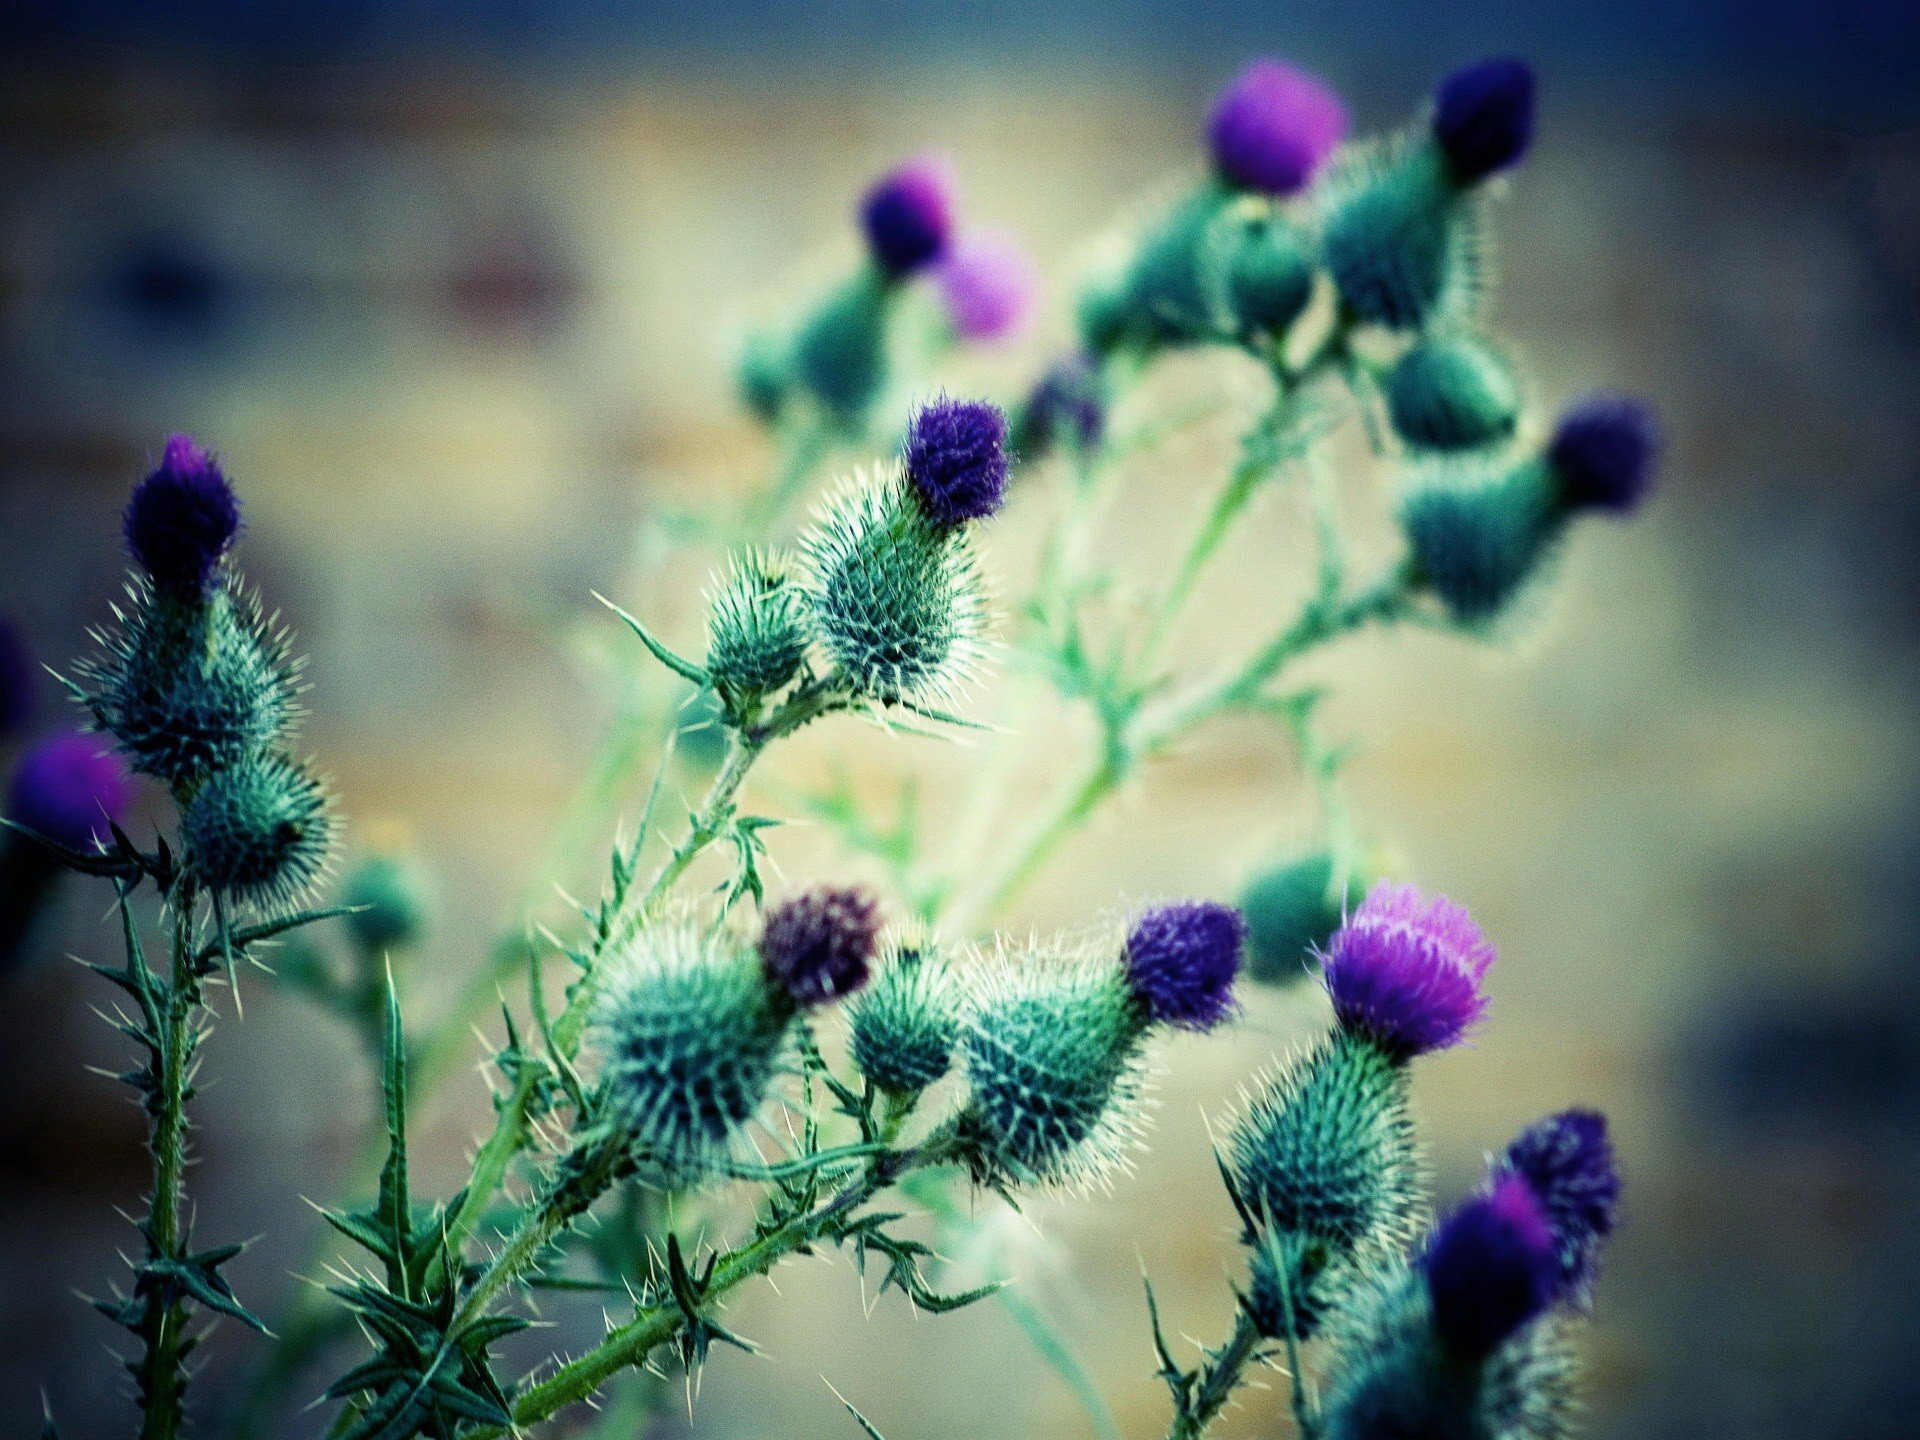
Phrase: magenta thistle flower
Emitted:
{"points": [[1405, 971], [1567, 1160], [1181, 961], [1274, 127], [956, 456], [1490, 1268], [1603, 454], [72, 788], [819, 946], [182, 519], [1483, 117], [908, 215], [989, 285]]}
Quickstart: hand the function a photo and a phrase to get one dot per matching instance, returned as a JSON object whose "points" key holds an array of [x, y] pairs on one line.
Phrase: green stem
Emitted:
{"points": [[1218, 1378], [1067, 814]]}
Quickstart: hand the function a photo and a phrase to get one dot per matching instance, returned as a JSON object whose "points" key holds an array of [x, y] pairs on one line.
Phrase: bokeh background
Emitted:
{"points": [[453, 288]]}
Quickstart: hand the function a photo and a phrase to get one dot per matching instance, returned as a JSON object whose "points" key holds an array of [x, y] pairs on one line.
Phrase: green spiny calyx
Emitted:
{"points": [[1479, 534], [897, 598], [1402, 242], [758, 629], [1453, 392], [691, 1039], [259, 832], [906, 1022]]}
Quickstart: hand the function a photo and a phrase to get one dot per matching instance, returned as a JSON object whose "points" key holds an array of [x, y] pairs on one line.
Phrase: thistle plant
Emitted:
{"points": [[695, 1050]]}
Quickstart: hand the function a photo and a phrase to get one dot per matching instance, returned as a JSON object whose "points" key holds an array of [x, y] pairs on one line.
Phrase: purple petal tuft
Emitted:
{"points": [[956, 454], [1567, 1160], [1406, 971], [182, 519], [71, 789], [1603, 454], [819, 946], [1490, 1268], [1274, 127], [908, 215], [1483, 117], [1182, 959], [989, 286]]}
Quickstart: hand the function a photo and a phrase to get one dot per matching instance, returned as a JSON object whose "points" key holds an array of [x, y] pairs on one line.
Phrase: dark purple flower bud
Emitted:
{"points": [[1181, 961], [1405, 971], [1603, 453], [182, 519], [818, 946], [956, 454], [1568, 1161], [1274, 127], [1490, 1268], [908, 215], [988, 285], [1483, 117], [17, 679], [1065, 408], [71, 788]]}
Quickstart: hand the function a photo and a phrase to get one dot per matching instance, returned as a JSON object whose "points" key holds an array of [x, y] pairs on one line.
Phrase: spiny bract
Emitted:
{"points": [[758, 628], [897, 598], [905, 1023], [691, 1039], [259, 832], [1052, 1052]]}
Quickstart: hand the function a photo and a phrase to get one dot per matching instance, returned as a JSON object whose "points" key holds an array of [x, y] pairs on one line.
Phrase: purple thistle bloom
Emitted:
{"points": [[71, 788], [956, 454], [908, 215], [1065, 407], [16, 679], [1603, 453], [1483, 117], [818, 946], [1274, 127], [182, 519], [1490, 1267], [988, 284], [1567, 1160], [1181, 960], [1405, 971]]}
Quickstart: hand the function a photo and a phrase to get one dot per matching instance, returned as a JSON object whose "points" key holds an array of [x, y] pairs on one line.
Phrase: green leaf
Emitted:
{"points": [[676, 663], [394, 1211]]}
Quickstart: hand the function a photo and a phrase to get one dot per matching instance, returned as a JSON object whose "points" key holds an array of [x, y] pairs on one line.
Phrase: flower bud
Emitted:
{"points": [[181, 520], [1479, 535], [1401, 243], [758, 629], [1405, 972], [1453, 392], [1066, 410], [988, 286], [71, 789], [1264, 275], [1170, 299], [260, 832], [1181, 960], [1292, 909], [907, 216], [690, 1037], [763, 375], [393, 901], [840, 354], [819, 945], [905, 1024], [1483, 118], [1272, 129]]}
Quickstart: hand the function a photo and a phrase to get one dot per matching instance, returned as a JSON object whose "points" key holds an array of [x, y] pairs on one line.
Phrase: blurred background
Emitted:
{"points": [[454, 288]]}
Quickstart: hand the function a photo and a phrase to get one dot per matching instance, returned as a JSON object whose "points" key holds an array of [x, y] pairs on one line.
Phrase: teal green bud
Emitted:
{"points": [[1453, 392], [1292, 909], [1390, 1376], [191, 685], [1401, 241], [897, 597], [1265, 275], [1480, 534], [758, 629], [1051, 1047], [840, 355], [394, 903], [1103, 313], [763, 375], [1171, 293], [691, 1038], [260, 832], [906, 1022]]}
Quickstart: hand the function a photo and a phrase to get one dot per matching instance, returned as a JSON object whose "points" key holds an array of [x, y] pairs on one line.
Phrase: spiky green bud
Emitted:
{"points": [[691, 1038], [1264, 275], [1479, 534], [763, 375], [1453, 392], [1401, 241], [758, 629], [188, 686], [897, 597], [393, 903], [905, 1023], [1292, 908], [1051, 1047], [259, 832]]}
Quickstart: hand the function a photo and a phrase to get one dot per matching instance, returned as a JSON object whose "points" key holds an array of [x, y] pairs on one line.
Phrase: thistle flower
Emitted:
{"points": [[16, 679], [182, 519], [1274, 127], [1478, 535], [71, 789], [259, 832], [956, 460], [392, 901], [905, 1024], [690, 1037], [1065, 409], [818, 946], [1402, 243], [1405, 971], [1567, 1160], [1603, 453], [1292, 910], [1051, 1046], [1181, 960], [907, 215], [1491, 1268], [758, 629], [1483, 118], [988, 286], [1266, 277], [1453, 392]]}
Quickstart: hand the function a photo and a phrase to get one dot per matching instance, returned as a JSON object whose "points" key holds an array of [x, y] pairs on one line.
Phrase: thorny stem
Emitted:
{"points": [[1217, 1379]]}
